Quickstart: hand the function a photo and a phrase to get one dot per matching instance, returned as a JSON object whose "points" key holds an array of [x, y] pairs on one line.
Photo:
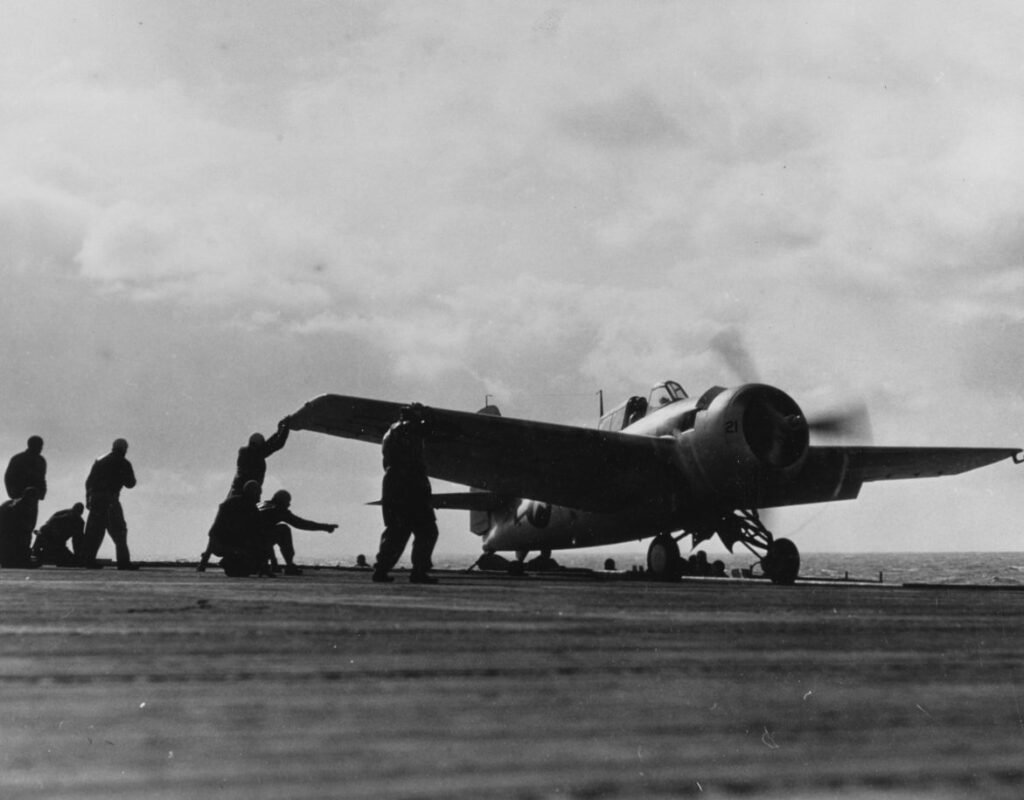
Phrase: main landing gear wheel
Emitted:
{"points": [[663, 561], [781, 563]]}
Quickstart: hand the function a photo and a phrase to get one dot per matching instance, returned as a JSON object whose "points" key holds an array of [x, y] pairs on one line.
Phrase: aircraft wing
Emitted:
{"points": [[837, 473], [582, 468], [896, 463], [349, 417]]}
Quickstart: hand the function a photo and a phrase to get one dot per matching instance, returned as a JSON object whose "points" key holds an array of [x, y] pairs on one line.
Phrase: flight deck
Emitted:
{"points": [[168, 683]]}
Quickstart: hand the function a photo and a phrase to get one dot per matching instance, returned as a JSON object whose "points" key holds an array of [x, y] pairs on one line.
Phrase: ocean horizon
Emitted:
{"points": [[976, 568], [952, 568]]}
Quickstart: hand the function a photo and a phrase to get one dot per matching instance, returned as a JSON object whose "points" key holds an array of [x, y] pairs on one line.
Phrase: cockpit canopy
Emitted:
{"points": [[637, 407], [664, 393]]}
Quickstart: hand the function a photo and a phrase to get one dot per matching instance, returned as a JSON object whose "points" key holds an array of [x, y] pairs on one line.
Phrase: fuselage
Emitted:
{"points": [[525, 524], [533, 525]]}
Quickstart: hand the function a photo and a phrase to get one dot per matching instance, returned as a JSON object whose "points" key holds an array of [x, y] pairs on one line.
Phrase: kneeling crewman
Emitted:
{"points": [[235, 535]]}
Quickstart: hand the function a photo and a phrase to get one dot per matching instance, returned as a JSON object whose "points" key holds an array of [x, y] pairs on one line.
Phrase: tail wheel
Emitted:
{"points": [[781, 564], [663, 561]]}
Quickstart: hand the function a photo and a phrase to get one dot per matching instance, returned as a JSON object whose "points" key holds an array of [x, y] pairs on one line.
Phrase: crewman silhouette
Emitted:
{"points": [[27, 468], [51, 544], [109, 475], [406, 498], [236, 537], [17, 519], [275, 518], [251, 465]]}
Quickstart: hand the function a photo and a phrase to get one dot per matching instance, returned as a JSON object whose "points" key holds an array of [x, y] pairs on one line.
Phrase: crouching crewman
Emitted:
{"points": [[275, 518], [51, 545], [17, 519], [235, 535]]}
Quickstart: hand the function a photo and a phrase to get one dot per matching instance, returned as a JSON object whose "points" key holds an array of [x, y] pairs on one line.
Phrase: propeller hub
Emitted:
{"points": [[774, 426]]}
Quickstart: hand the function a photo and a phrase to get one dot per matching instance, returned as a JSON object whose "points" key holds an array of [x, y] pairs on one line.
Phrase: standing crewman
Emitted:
{"points": [[109, 474], [27, 468], [251, 464], [275, 517], [406, 498], [51, 544]]}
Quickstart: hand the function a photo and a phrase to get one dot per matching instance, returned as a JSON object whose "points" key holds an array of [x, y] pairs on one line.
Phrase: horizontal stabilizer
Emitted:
{"points": [[464, 501], [467, 501]]}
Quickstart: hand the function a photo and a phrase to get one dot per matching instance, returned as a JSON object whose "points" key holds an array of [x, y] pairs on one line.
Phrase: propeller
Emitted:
{"points": [[848, 421], [728, 344], [774, 427]]}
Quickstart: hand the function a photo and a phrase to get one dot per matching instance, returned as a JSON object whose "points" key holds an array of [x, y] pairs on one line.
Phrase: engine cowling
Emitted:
{"points": [[745, 437]]}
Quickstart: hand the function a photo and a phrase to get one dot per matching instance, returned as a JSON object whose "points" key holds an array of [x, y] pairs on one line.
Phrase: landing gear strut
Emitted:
{"points": [[779, 558]]}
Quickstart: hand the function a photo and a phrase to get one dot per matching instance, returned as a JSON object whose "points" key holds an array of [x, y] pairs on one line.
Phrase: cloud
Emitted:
{"points": [[633, 120], [212, 213], [221, 250], [41, 226]]}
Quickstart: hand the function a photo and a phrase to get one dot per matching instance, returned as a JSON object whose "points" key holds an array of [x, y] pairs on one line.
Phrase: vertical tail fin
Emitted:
{"points": [[480, 521]]}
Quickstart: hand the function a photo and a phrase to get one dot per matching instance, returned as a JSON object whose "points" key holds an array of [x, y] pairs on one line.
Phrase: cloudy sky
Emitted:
{"points": [[212, 212]]}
